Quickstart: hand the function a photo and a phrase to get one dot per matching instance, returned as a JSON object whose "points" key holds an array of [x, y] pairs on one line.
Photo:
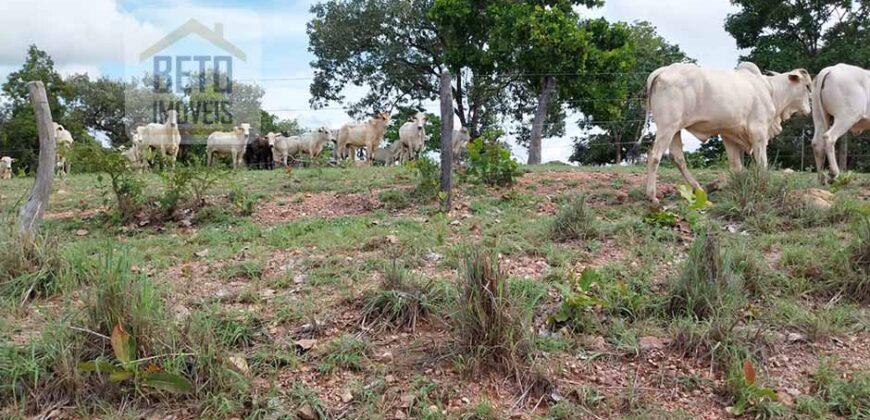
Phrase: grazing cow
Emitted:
{"points": [[6, 167], [166, 138], [64, 141], [743, 106], [368, 134], [313, 142], [259, 153], [134, 156], [231, 143], [412, 136], [842, 93], [284, 147], [461, 138]]}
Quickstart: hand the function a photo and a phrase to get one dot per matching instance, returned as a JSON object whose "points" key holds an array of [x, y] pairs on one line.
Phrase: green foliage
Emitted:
{"points": [[575, 221], [749, 397], [128, 368], [30, 265], [662, 218], [242, 199], [708, 285], [755, 196], [490, 162], [842, 181], [428, 178], [394, 199], [345, 352], [123, 187], [579, 303]]}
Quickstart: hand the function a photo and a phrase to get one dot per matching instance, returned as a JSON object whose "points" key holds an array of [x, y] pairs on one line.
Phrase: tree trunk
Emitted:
{"points": [[446, 141], [547, 89], [843, 153], [460, 107], [31, 213], [618, 141]]}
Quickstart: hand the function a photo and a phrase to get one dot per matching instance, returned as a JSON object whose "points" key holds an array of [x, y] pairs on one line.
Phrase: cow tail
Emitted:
{"points": [[820, 116], [650, 84]]}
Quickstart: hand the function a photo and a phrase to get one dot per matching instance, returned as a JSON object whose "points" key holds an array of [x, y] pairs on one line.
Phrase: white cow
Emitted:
{"points": [[842, 93], [461, 138], [6, 167], [412, 136], [231, 143], [166, 138], [743, 106], [134, 154], [313, 142], [284, 147], [368, 134], [64, 141]]}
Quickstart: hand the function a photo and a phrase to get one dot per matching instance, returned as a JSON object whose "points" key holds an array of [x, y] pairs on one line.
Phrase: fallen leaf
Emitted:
{"points": [[306, 344], [81, 232], [201, 254]]}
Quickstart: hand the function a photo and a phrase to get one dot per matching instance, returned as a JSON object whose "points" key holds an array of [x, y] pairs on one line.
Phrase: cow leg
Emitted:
{"points": [[680, 161], [208, 157], [841, 126], [819, 154], [759, 152], [654, 157], [735, 155]]}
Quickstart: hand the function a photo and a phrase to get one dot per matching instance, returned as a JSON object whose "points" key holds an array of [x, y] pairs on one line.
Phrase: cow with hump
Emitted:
{"points": [[743, 106], [841, 103], [368, 134]]}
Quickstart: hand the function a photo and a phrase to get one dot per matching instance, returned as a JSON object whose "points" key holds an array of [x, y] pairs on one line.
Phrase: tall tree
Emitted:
{"points": [[21, 140], [783, 35], [623, 111]]}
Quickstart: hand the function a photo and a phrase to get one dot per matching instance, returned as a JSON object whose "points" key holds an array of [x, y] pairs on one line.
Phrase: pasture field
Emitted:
{"points": [[338, 293]]}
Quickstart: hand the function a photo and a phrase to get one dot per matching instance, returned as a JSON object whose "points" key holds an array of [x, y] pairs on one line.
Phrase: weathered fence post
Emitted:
{"points": [[31, 212], [446, 140]]}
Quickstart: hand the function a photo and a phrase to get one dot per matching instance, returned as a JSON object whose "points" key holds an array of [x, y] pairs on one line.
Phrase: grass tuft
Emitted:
{"points": [[575, 221], [399, 302], [708, 285], [30, 266], [346, 352]]}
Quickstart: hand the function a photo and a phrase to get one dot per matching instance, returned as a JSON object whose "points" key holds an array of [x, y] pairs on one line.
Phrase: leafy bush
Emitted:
{"points": [[490, 162], [575, 221], [708, 285], [242, 200], [579, 302], [399, 302], [428, 178], [124, 186]]}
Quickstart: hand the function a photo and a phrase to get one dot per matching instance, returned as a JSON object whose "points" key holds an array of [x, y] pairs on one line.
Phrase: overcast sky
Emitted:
{"points": [[96, 37]]}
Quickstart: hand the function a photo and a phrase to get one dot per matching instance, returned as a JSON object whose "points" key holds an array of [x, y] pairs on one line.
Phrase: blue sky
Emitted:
{"points": [[95, 38]]}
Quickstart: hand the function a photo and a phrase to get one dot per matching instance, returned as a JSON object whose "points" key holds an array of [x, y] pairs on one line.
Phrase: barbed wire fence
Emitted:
{"points": [[587, 125]]}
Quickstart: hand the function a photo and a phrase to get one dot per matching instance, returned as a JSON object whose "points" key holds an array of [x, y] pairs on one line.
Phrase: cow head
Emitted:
{"points": [[7, 161], [419, 119], [172, 117], [246, 128], [791, 92], [271, 139]]}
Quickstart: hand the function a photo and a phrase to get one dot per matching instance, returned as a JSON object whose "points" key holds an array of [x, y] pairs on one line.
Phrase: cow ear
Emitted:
{"points": [[794, 77]]}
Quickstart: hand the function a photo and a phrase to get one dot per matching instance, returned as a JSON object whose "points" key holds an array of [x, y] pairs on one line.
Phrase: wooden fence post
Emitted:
{"points": [[31, 212], [446, 140]]}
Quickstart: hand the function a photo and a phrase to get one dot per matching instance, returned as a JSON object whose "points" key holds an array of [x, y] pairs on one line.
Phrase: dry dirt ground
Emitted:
{"points": [[411, 374]]}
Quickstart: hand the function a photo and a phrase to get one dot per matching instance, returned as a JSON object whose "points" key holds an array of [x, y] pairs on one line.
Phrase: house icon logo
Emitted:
{"points": [[194, 27]]}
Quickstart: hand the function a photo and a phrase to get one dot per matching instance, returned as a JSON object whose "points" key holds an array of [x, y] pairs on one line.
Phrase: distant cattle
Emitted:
{"points": [[64, 141], [743, 106], [368, 134], [460, 140], [259, 153], [232, 143], [842, 94], [6, 167], [412, 136], [165, 138]]}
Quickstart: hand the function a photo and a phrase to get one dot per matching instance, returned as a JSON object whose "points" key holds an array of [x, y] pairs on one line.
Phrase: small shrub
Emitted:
{"points": [[399, 302], [708, 285], [244, 202], [579, 303], [755, 196], [490, 162], [428, 178], [394, 199], [575, 221], [849, 398], [842, 181], [749, 397], [124, 186], [345, 352], [853, 282]]}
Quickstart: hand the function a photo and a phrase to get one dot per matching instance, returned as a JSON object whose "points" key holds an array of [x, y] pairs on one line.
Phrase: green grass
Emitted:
{"points": [[346, 352]]}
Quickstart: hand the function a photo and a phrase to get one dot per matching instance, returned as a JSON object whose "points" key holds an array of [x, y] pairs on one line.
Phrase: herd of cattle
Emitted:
{"points": [[745, 107]]}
